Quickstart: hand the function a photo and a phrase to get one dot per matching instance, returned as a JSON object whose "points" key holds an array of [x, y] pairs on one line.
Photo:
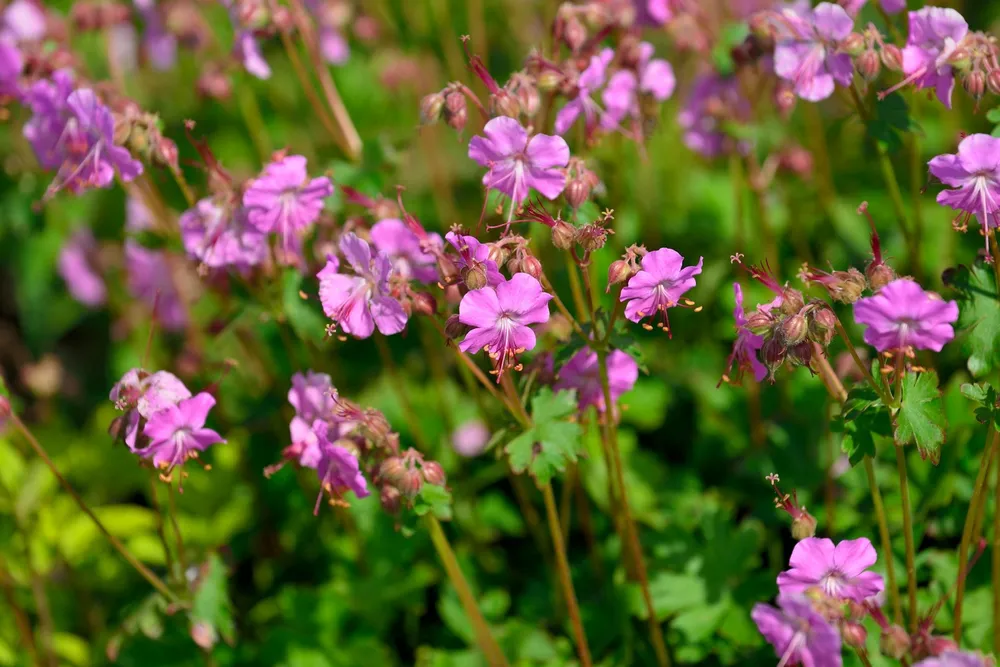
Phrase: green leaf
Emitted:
{"points": [[891, 119], [921, 415], [305, 319], [988, 411], [622, 340], [863, 416], [435, 500], [978, 316], [211, 611], [551, 442]]}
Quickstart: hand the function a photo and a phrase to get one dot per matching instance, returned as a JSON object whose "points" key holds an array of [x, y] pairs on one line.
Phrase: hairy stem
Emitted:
{"points": [[566, 580], [484, 636], [146, 573]]}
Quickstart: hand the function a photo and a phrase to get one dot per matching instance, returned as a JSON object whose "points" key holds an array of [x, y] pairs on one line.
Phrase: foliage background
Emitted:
{"points": [[347, 588]]}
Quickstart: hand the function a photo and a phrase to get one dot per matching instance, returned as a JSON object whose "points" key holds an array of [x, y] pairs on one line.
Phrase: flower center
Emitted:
{"points": [[833, 583]]}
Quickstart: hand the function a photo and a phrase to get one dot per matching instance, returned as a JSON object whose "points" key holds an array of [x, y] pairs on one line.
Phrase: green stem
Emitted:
{"points": [[634, 546], [176, 527], [562, 565], [484, 637], [911, 570], [161, 531], [970, 520], [146, 573], [883, 530], [842, 332], [996, 563], [254, 120], [575, 288]]}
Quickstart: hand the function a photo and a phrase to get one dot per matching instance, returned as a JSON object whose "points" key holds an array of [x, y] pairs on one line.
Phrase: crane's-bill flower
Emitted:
{"points": [[499, 317], [704, 127], [808, 56], [840, 571], [954, 659], [517, 163], [903, 315], [588, 82], [473, 255], [935, 33], [409, 256], [312, 395], [798, 633], [77, 269], [177, 433], [747, 345], [658, 286], [337, 468], [974, 173], [582, 373], [221, 237], [23, 21], [142, 394], [361, 302]]}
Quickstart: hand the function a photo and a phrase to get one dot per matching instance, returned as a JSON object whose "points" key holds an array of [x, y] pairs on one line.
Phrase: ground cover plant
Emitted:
{"points": [[499, 332]]}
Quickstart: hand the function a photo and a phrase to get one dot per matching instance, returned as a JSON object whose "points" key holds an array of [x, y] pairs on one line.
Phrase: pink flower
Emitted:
{"points": [[744, 354], [704, 129], [246, 49], [149, 278], [954, 659], [11, 66], [653, 12], [473, 255], [518, 162], [582, 373], [221, 237], [284, 200], [587, 83], [500, 317], [337, 468], [893, 6], [839, 571], [808, 56], [934, 36], [142, 394], [658, 286], [653, 77], [974, 172], [408, 254], [470, 439], [903, 315], [77, 268], [312, 396], [177, 433], [798, 633], [359, 303], [24, 21]]}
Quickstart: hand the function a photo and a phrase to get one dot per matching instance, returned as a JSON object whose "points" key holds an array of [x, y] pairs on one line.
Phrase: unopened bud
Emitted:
{"points": [[505, 104], [424, 303], [975, 84], [797, 160], [993, 81], [879, 275], [855, 635], [791, 301], [894, 642], [936, 644], [391, 499], [524, 90], [618, 272], [800, 355], [804, 526], [848, 286], [853, 44], [759, 322], [574, 33], [410, 482], [474, 276], [498, 253], [856, 611], [453, 328], [784, 97], [433, 473], [392, 469], [772, 355], [869, 65], [165, 153], [822, 323], [531, 266], [892, 57], [577, 192], [794, 329], [455, 112], [431, 108], [563, 235]]}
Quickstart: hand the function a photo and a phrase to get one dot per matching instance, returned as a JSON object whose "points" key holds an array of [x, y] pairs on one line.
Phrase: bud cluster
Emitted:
{"points": [[871, 53], [790, 328]]}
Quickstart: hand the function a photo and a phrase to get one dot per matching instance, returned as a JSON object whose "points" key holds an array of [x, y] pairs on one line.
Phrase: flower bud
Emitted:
{"points": [[474, 276], [879, 275], [800, 355], [794, 329], [433, 473], [455, 111], [164, 153], [505, 104], [431, 108], [772, 355], [391, 498], [531, 266], [853, 44], [791, 301], [975, 84], [618, 272], [563, 235], [410, 482], [759, 322], [803, 526], [548, 80], [392, 469], [498, 253], [577, 192], [936, 644], [822, 323], [869, 65], [453, 328], [424, 303], [574, 33], [894, 642], [845, 286], [993, 81], [892, 57], [784, 97], [797, 160], [854, 635], [856, 611]]}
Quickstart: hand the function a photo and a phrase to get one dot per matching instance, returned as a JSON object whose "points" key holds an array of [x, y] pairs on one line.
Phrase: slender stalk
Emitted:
{"points": [[564, 576], [970, 520], [917, 171], [175, 526], [182, 183], [574, 286], [43, 610], [886, 398], [161, 532], [565, 511], [21, 619], [911, 570], [146, 573], [254, 120], [484, 637], [996, 563], [611, 433]]}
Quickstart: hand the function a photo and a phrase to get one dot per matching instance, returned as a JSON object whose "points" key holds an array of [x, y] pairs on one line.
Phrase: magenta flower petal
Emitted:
{"points": [[659, 285], [837, 570], [77, 269], [582, 373], [903, 315], [516, 163], [798, 633]]}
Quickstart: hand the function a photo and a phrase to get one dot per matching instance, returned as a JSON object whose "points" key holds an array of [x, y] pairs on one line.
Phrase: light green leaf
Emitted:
{"points": [[921, 415], [551, 443], [211, 608], [435, 500], [978, 316]]}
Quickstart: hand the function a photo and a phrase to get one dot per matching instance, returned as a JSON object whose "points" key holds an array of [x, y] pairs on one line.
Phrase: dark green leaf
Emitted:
{"points": [[863, 417], [551, 442], [978, 316], [891, 119], [921, 415], [988, 409]]}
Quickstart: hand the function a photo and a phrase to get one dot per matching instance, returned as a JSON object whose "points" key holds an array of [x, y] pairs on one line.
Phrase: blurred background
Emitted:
{"points": [[348, 588]]}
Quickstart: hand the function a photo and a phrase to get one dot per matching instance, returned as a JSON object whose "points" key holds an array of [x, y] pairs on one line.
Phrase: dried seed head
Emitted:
{"points": [[894, 642], [804, 526], [563, 235], [879, 275]]}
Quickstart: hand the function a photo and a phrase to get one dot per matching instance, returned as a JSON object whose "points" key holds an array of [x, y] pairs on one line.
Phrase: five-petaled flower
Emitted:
{"points": [[500, 317], [974, 173], [798, 633], [807, 54], [361, 302], [587, 83], [582, 373], [221, 237], [337, 468], [935, 33], [747, 344], [409, 254], [840, 571], [658, 286], [903, 315], [177, 433], [518, 162]]}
